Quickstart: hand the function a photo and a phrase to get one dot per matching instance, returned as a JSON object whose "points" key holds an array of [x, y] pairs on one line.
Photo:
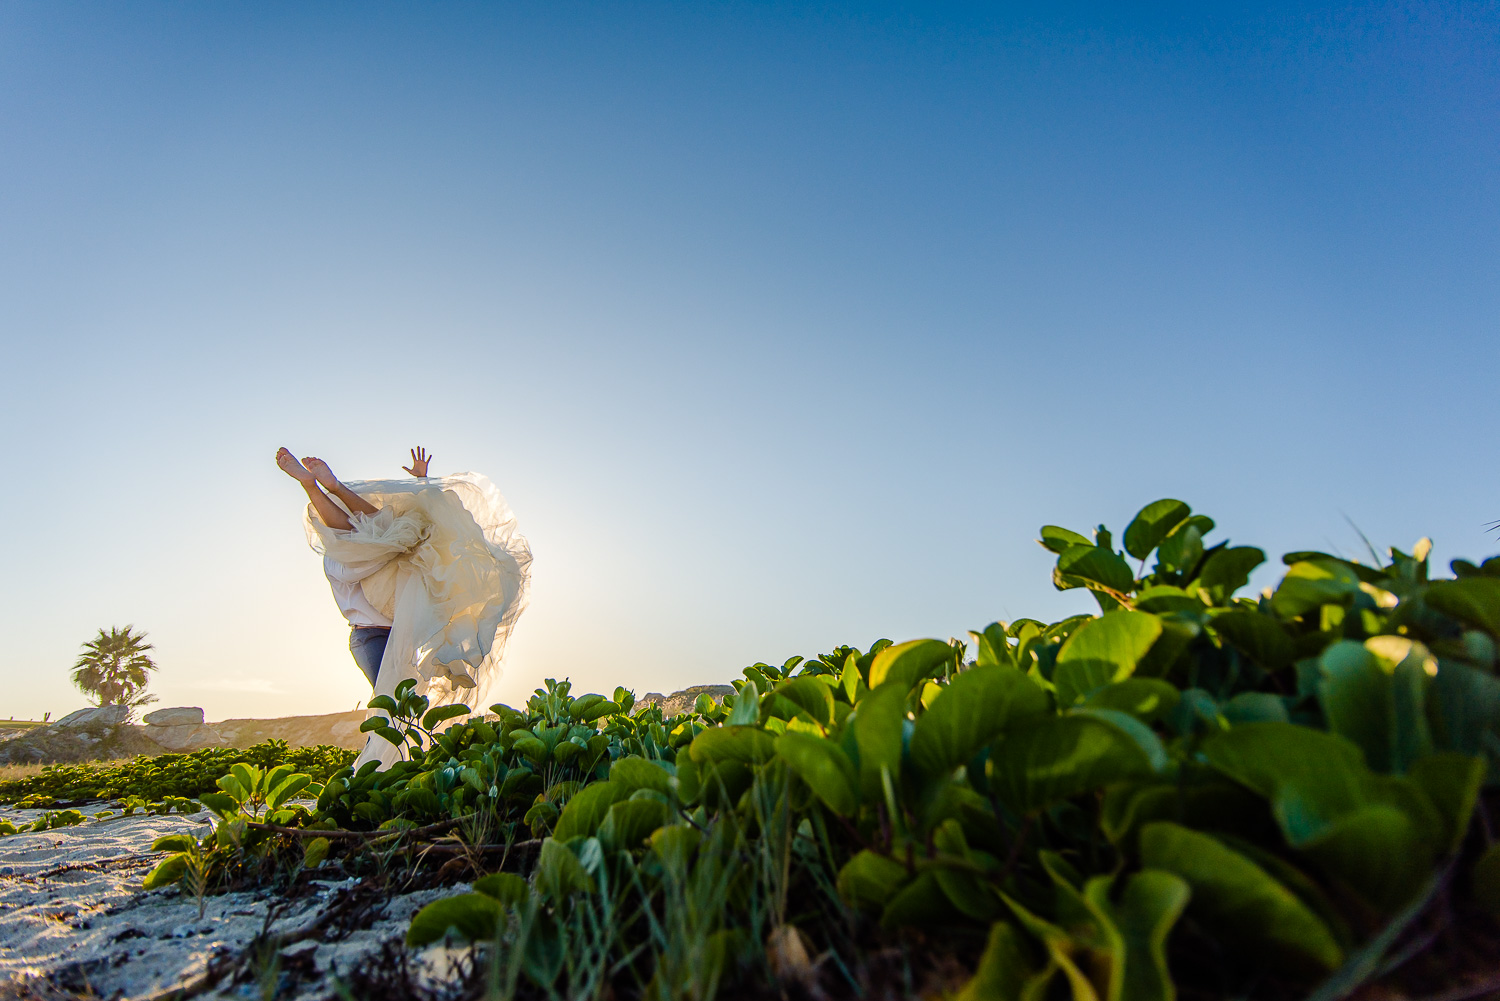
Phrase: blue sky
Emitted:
{"points": [[781, 326]]}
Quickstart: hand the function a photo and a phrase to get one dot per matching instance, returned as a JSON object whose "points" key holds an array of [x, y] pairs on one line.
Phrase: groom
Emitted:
{"points": [[369, 628]]}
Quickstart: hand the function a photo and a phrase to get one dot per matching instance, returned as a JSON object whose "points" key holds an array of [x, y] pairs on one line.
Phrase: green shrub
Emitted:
{"points": [[166, 775], [1072, 809]]}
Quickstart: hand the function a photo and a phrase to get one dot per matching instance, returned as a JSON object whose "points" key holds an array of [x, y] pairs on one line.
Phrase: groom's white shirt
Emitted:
{"points": [[350, 596]]}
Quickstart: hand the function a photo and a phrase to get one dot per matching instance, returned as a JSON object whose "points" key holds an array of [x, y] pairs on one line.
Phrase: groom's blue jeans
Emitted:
{"points": [[367, 643]]}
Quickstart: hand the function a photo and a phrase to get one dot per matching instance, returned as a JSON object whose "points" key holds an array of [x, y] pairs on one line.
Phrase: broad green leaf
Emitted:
{"points": [[969, 896], [1101, 651], [1059, 539], [174, 843], [588, 808], [1152, 524], [506, 887], [811, 695], [1144, 914], [1270, 757], [908, 663], [1004, 970], [1379, 851], [746, 744], [273, 778], [1161, 598], [1042, 760], [625, 698], [1257, 636], [384, 703], [1379, 835], [971, 711], [233, 785], [1228, 570], [850, 681], [1099, 566], [674, 846], [630, 823], [992, 648], [441, 714], [168, 871], [878, 722], [1255, 707], [583, 703], [868, 880], [1313, 583], [1095, 941], [221, 803], [540, 817], [1308, 890], [722, 782], [1452, 782], [746, 710], [1063, 952], [287, 789], [1472, 600], [598, 711], [1178, 630], [314, 852], [1142, 737], [473, 916], [559, 873], [533, 748], [825, 768], [1147, 699], [1356, 698], [1181, 550], [637, 773], [1240, 903], [1467, 716], [919, 904], [1410, 669]]}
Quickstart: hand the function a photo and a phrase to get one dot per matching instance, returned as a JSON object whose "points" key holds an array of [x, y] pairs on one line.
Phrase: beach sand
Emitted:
{"points": [[75, 922]]}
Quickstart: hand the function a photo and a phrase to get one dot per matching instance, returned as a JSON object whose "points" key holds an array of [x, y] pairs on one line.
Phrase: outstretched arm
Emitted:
{"points": [[353, 501], [419, 460], [328, 512]]}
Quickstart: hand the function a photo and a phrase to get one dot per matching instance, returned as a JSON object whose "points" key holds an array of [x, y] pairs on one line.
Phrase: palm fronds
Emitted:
{"points": [[114, 668]]}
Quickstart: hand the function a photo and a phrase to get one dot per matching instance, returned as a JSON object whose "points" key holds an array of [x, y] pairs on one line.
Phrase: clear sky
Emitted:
{"points": [[780, 325]]}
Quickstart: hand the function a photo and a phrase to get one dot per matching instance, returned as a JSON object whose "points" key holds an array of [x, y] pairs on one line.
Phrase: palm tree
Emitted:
{"points": [[112, 669]]}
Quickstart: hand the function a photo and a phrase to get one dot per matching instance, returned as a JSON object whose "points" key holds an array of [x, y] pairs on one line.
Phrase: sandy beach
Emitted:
{"points": [[75, 922]]}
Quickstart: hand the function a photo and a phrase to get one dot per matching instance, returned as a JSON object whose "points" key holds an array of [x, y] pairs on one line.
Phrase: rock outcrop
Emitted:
{"points": [[182, 716], [86, 735], [681, 702], [103, 733], [340, 729], [94, 719]]}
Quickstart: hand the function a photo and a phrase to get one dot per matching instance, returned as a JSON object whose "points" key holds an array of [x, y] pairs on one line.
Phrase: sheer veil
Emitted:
{"points": [[442, 558]]}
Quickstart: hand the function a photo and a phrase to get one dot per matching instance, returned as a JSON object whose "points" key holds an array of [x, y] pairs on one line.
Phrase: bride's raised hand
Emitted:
{"points": [[419, 460]]}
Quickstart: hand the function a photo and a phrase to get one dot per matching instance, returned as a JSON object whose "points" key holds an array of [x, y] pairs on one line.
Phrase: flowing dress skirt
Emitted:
{"points": [[443, 560]]}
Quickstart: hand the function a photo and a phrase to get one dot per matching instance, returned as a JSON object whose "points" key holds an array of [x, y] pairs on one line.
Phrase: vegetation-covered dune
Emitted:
{"points": [[1190, 794]]}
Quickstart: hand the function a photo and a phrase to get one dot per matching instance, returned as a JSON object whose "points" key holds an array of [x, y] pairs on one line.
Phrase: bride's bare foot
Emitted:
{"points": [[289, 465], [320, 471]]}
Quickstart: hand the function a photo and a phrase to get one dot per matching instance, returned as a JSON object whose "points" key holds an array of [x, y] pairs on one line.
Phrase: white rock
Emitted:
{"points": [[98, 716], [174, 717]]}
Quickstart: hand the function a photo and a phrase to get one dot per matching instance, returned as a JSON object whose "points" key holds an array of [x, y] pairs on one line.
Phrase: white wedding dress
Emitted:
{"points": [[443, 561]]}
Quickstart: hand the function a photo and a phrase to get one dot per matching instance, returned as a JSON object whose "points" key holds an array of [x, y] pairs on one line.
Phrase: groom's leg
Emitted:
{"points": [[367, 644]]}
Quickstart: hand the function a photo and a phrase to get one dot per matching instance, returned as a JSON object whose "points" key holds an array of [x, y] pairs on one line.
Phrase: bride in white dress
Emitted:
{"points": [[430, 572]]}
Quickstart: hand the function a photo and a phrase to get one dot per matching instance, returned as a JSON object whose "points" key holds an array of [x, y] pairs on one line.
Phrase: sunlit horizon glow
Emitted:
{"points": [[779, 327]]}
